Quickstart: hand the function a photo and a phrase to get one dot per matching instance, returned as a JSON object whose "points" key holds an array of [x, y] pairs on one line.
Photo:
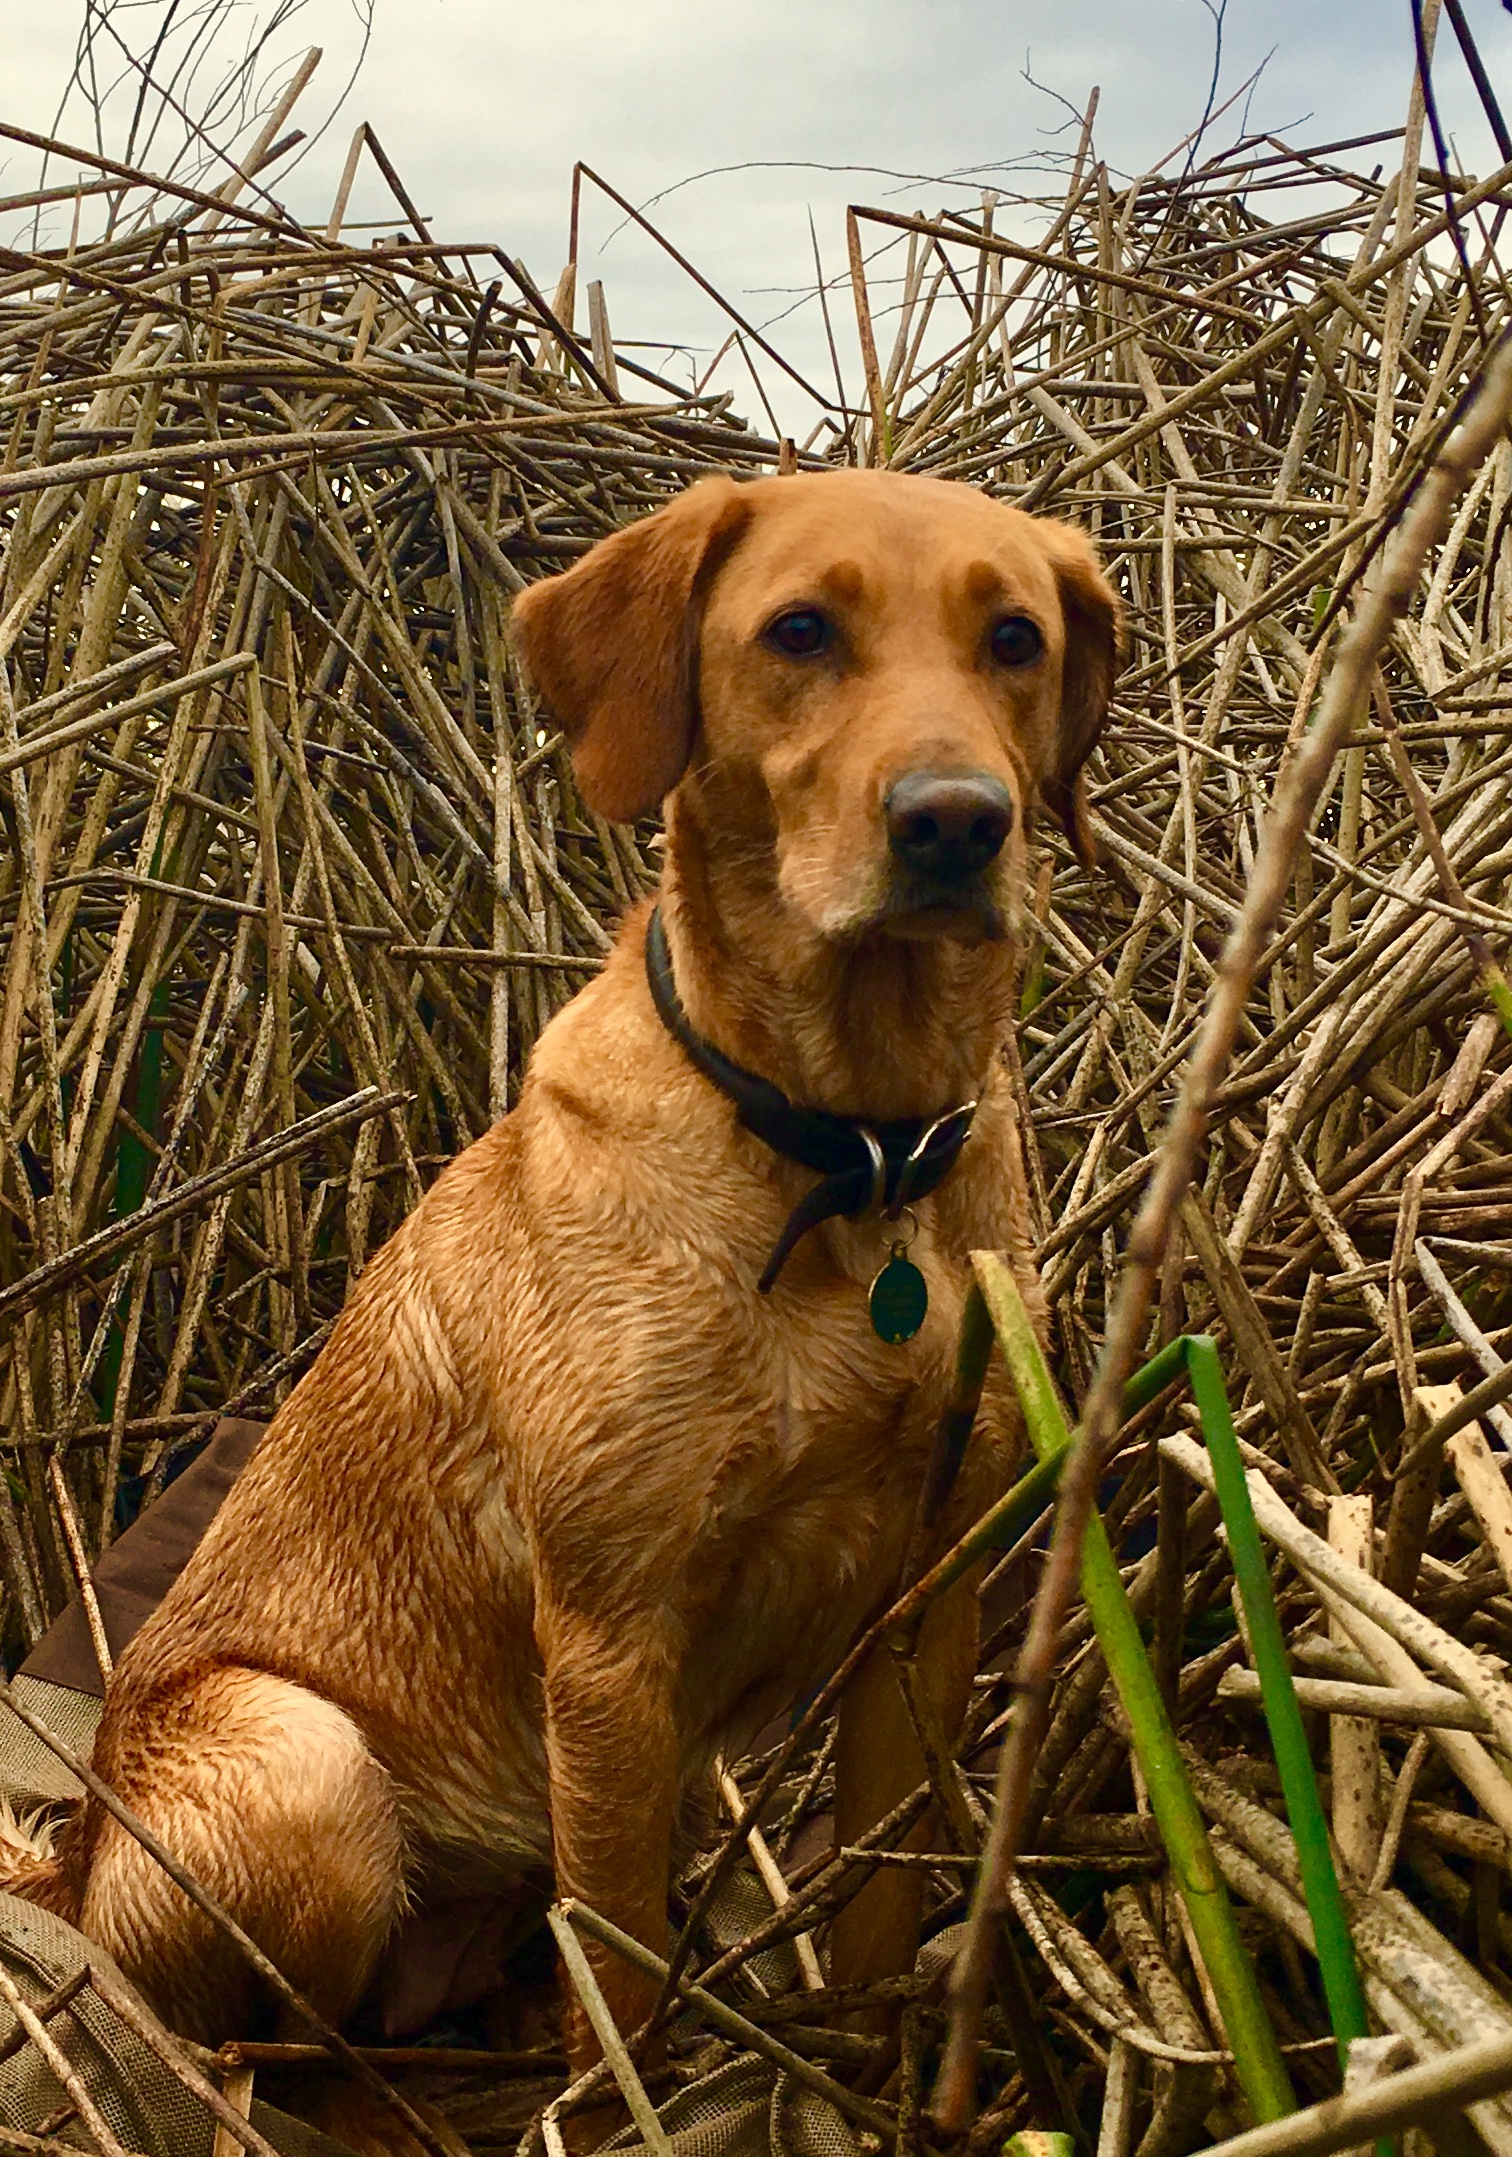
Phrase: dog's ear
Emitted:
{"points": [[612, 646], [1094, 649]]}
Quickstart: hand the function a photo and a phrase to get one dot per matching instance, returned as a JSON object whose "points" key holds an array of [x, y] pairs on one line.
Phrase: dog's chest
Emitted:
{"points": [[804, 1514]]}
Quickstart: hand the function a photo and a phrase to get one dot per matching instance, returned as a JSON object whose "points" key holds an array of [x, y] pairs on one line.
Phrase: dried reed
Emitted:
{"points": [[295, 875]]}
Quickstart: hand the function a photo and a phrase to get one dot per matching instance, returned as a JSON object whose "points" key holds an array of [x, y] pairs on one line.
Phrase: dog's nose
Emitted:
{"points": [[948, 825]]}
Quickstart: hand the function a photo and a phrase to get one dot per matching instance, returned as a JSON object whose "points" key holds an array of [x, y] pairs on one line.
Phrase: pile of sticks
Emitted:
{"points": [[296, 874], [295, 878]]}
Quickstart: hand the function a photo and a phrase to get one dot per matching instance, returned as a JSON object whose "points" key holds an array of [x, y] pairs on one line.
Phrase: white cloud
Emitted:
{"points": [[483, 108]]}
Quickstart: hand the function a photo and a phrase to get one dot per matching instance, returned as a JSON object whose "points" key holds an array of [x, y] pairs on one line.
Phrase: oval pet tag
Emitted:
{"points": [[899, 1298]]}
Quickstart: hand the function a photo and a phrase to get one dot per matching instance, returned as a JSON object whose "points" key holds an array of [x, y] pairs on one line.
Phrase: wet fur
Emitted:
{"points": [[564, 1508]]}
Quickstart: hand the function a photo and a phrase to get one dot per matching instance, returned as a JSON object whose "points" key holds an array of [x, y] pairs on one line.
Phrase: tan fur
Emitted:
{"points": [[28, 1843], [565, 1508]]}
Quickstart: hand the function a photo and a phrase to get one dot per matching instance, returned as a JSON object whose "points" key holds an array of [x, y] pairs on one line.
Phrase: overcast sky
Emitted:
{"points": [[483, 106]]}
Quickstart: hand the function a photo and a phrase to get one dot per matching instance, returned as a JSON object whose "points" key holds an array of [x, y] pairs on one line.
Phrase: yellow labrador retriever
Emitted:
{"points": [[619, 1441]]}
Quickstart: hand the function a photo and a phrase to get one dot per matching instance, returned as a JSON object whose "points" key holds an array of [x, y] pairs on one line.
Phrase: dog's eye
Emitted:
{"points": [[1016, 641], [800, 633]]}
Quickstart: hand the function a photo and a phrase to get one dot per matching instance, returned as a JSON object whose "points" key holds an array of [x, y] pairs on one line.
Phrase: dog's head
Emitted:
{"points": [[876, 676]]}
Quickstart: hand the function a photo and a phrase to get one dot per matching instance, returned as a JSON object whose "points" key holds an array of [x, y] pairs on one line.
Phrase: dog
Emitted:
{"points": [[610, 1456]]}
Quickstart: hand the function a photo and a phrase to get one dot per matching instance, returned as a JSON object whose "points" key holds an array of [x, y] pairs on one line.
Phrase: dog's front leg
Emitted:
{"points": [[614, 1762], [878, 1761]]}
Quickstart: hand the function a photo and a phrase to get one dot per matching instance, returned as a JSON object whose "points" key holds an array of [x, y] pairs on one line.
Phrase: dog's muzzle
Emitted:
{"points": [[946, 827], [945, 830]]}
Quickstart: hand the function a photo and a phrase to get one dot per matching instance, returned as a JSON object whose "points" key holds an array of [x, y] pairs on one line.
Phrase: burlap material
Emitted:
{"points": [[937, 1954], [746, 2108], [145, 2106], [738, 1907], [30, 1775]]}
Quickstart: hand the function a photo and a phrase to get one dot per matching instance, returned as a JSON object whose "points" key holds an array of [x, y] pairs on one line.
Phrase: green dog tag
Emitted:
{"points": [[899, 1299]]}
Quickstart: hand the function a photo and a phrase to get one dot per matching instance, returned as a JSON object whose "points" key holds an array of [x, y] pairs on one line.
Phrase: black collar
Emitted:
{"points": [[864, 1169]]}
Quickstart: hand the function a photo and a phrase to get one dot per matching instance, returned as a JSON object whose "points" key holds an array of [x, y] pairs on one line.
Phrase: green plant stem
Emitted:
{"points": [[1150, 1382], [1257, 2057], [1299, 1784]]}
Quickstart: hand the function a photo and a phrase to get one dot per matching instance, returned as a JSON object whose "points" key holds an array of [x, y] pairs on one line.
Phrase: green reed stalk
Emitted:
{"points": [[1257, 2057]]}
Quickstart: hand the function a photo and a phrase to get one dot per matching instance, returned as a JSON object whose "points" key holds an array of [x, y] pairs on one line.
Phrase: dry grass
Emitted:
{"points": [[296, 875]]}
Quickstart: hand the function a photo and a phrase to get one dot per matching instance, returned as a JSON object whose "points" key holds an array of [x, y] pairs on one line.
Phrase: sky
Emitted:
{"points": [[738, 120]]}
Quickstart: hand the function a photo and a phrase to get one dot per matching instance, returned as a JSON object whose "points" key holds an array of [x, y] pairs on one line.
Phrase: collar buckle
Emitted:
{"points": [[902, 1162], [952, 1128]]}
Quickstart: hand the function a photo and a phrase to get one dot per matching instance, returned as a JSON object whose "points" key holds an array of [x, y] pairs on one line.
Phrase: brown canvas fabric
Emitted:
{"points": [[142, 1564], [60, 1680]]}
